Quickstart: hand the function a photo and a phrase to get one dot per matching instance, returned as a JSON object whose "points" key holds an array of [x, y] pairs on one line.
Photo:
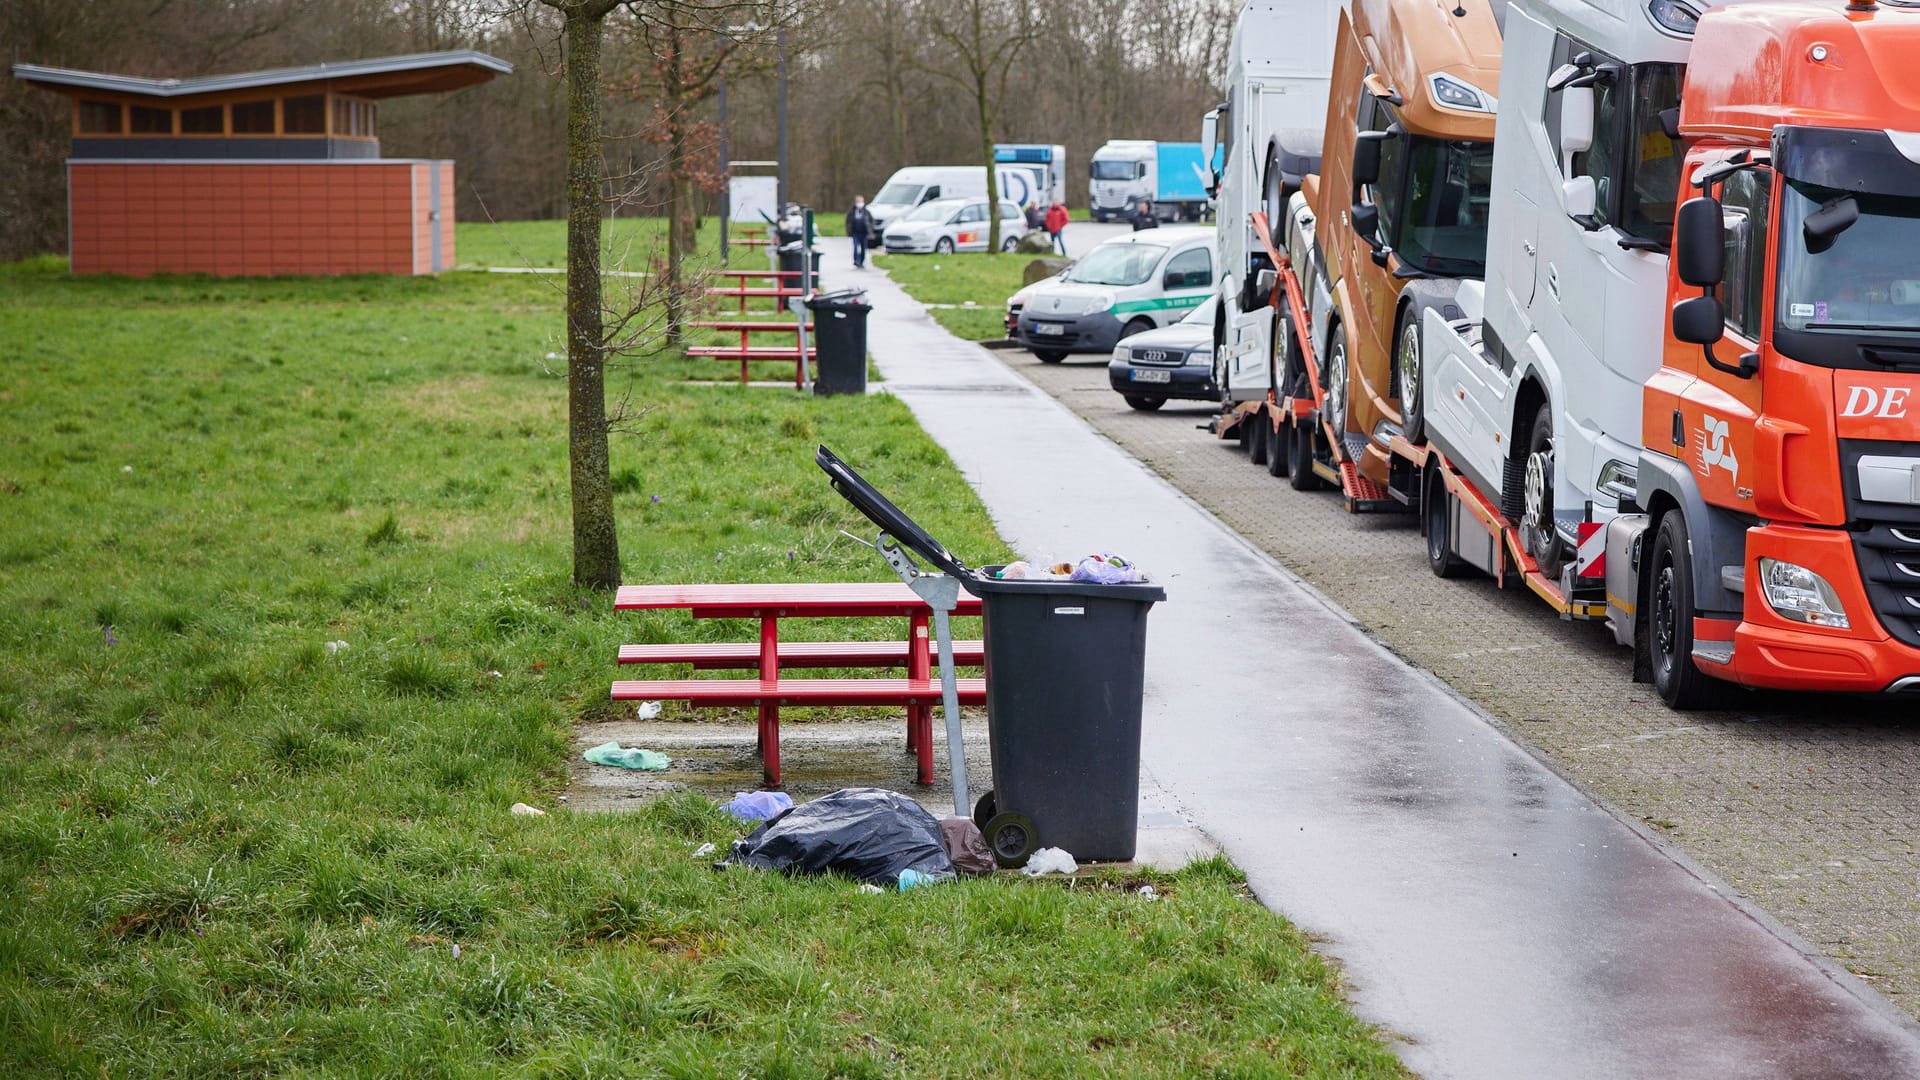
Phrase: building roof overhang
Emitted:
{"points": [[381, 77]]}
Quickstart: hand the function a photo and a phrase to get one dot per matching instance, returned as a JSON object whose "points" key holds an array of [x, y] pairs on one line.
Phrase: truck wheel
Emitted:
{"points": [[1669, 638], [1537, 532], [1433, 506], [1257, 437], [1336, 404], [1144, 404], [1300, 474], [1277, 448], [1049, 356], [1410, 374]]}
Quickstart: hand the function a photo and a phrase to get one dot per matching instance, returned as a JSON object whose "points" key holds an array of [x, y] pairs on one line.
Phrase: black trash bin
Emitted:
{"points": [[1066, 667], [840, 335], [794, 260]]}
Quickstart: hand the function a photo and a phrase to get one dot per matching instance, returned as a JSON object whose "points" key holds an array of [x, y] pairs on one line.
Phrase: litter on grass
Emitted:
{"points": [[647, 710], [913, 879], [704, 850], [965, 846], [759, 805], [521, 809], [868, 834], [1049, 860], [631, 757]]}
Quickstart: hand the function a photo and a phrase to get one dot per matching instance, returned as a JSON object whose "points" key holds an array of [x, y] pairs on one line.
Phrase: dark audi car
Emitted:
{"points": [[1171, 362]]}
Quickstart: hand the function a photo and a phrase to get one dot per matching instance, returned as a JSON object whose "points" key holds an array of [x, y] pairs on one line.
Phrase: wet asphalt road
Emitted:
{"points": [[1808, 805]]}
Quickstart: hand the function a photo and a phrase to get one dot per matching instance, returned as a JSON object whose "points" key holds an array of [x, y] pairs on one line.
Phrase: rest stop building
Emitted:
{"points": [[257, 173]]}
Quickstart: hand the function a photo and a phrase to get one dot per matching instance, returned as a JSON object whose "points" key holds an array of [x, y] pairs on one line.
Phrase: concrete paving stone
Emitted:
{"points": [[1766, 794]]}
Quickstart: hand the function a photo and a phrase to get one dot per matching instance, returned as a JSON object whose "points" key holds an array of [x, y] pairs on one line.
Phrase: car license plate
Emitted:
{"points": [[1151, 376], [1049, 328]]}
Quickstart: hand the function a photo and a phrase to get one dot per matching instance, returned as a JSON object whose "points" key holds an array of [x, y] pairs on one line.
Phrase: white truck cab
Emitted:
{"points": [[1267, 134], [1535, 395]]}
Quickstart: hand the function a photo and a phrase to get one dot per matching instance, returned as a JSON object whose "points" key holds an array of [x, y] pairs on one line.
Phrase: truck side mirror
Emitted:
{"points": [[1576, 122], [1366, 158], [1581, 197], [1366, 222], [1209, 139], [1700, 242], [1699, 320]]}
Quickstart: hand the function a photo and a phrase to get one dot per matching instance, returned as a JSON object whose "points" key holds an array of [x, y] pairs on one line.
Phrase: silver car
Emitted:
{"points": [[944, 226]]}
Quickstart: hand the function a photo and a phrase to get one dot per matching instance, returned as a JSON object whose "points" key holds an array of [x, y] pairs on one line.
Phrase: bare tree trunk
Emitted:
{"points": [[993, 173], [596, 542]]}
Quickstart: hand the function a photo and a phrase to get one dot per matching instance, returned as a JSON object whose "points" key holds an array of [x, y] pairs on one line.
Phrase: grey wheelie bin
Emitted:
{"points": [[1066, 664]]}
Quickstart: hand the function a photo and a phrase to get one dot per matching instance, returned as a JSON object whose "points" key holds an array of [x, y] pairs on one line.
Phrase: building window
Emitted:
{"points": [[253, 118], [367, 112], [305, 115], [210, 120], [148, 121], [100, 118]]}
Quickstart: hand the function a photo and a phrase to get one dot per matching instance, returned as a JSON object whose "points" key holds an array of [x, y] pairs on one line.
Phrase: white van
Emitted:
{"points": [[916, 184], [1137, 282]]}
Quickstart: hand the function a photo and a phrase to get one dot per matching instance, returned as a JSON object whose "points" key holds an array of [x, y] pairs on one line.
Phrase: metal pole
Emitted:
{"points": [[783, 118], [950, 705], [726, 192]]}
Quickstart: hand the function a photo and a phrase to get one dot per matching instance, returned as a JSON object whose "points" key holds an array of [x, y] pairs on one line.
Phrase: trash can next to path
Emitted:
{"points": [[1066, 671], [794, 260], [840, 335]]}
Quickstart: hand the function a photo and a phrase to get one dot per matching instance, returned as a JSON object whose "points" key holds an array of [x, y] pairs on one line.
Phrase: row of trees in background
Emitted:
{"points": [[874, 85]]}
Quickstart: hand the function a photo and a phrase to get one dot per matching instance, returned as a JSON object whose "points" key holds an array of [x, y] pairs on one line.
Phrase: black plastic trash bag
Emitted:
{"points": [[868, 834]]}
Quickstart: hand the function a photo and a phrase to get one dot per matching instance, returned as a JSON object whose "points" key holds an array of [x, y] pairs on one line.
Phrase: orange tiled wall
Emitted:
{"points": [[247, 218]]}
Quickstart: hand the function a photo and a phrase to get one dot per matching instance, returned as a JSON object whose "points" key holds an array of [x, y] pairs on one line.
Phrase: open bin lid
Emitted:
{"points": [[879, 510]]}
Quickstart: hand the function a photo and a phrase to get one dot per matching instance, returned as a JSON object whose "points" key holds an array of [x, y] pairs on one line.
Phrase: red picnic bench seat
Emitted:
{"points": [[748, 353], [782, 274], [770, 603], [796, 654], [745, 292]]}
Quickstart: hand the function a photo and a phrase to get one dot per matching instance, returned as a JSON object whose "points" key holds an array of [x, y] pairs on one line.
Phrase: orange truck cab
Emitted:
{"points": [[1403, 195], [1779, 544]]}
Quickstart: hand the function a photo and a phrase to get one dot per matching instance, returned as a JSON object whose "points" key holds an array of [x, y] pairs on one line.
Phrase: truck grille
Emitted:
{"points": [[1890, 565]]}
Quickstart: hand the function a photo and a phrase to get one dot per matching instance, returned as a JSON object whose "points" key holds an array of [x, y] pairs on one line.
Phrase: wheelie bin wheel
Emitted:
{"points": [[1012, 837], [983, 810]]}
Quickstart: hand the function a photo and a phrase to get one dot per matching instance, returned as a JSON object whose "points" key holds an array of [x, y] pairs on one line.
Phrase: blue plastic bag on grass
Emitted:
{"points": [[759, 805], [630, 757]]}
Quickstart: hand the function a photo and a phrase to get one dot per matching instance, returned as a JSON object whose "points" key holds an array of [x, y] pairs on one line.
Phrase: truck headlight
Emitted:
{"points": [[1459, 94], [1620, 480], [1797, 593]]}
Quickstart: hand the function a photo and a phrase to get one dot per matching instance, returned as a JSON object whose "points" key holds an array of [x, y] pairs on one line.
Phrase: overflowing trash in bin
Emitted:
{"points": [[1066, 668]]}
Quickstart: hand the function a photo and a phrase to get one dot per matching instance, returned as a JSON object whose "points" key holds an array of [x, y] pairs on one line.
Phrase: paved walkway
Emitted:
{"points": [[1484, 909]]}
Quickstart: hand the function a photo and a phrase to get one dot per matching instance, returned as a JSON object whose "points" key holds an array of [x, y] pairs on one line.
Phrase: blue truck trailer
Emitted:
{"points": [[1171, 175]]}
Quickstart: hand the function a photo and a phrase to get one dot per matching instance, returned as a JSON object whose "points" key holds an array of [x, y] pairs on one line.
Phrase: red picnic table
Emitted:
{"points": [[770, 603], [780, 294]]}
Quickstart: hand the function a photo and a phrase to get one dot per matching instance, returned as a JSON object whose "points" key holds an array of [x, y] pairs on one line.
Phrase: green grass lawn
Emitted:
{"points": [[985, 281], [231, 845]]}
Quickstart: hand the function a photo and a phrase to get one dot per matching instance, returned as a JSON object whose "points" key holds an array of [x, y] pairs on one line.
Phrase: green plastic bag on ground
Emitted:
{"points": [[630, 757]]}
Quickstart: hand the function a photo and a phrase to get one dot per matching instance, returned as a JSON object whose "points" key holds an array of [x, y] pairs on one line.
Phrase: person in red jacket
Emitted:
{"points": [[1056, 225]]}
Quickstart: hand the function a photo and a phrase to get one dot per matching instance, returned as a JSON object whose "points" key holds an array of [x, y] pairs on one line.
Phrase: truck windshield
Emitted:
{"points": [[1868, 280], [1113, 170], [899, 194], [1441, 227], [1117, 264]]}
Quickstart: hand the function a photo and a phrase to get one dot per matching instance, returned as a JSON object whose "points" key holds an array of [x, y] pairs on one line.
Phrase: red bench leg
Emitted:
{"points": [[920, 717], [769, 708]]}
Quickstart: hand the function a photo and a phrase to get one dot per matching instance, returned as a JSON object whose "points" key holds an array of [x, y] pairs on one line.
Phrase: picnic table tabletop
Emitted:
{"points": [[748, 326], [799, 600], [753, 290], [760, 273]]}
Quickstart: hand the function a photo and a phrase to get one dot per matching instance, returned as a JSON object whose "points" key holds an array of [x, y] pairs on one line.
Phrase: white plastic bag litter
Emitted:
{"points": [[1049, 860]]}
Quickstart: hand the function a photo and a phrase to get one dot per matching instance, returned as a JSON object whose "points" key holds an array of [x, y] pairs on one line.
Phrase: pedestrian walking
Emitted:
{"points": [[860, 229], [1035, 219], [1056, 224], [1144, 217]]}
